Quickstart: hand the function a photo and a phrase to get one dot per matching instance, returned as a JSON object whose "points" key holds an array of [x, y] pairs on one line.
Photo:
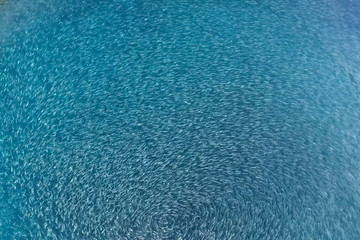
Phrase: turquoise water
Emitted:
{"points": [[179, 120]]}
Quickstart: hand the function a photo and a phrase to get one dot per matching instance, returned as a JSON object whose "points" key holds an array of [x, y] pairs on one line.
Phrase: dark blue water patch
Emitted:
{"points": [[216, 120]]}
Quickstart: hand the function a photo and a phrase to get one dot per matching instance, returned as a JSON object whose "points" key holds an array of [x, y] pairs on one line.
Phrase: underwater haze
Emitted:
{"points": [[179, 119]]}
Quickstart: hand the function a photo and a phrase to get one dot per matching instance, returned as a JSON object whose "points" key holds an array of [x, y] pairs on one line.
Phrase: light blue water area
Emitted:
{"points": [[179, 119]]}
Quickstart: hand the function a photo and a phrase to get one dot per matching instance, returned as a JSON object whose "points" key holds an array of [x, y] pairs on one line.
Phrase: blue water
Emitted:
{"points": [[179, 119]]}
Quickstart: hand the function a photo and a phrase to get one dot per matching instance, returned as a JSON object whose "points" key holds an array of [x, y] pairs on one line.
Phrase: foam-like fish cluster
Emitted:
{"points": [[179, 120]]}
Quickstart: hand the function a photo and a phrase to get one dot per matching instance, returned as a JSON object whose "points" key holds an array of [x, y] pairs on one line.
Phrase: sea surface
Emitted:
{"points": [[179, 119]]}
